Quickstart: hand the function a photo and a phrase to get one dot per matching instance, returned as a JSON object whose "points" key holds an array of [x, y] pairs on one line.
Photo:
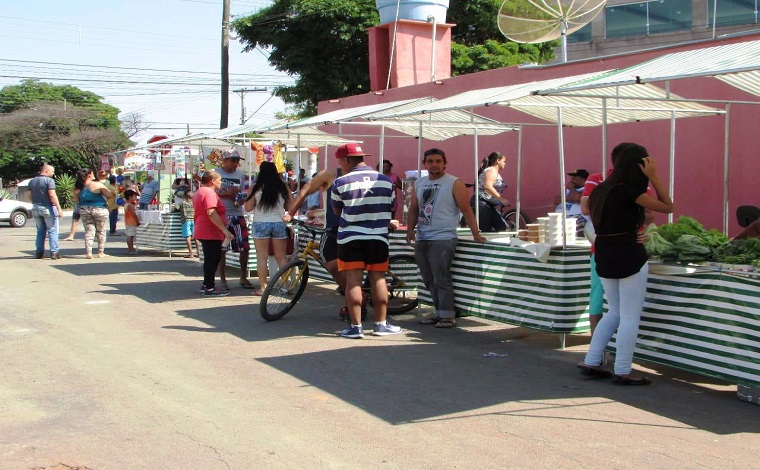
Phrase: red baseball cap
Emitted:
{"points": [[350, 150]]}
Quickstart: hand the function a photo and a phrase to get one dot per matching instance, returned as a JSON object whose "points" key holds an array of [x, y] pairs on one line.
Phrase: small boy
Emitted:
{"points": [[186, 216], [131, 220]]}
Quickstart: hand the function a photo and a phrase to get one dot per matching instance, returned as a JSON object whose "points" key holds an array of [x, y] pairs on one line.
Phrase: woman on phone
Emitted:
{"points": [[617, 209]]}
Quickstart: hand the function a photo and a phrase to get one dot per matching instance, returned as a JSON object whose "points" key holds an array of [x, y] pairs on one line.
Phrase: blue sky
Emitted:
{"points": [[159, 58]]}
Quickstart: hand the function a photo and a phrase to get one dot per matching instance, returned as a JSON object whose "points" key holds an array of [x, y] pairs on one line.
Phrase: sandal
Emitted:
{"points": [[594, 373], [446, 323], [245, 283], [620, 380], [430, 320], [258, 292]]}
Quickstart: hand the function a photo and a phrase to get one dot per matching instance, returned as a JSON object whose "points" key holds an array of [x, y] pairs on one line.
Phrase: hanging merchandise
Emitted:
{"points": [[279, 157], [269, 153], [215, 157], [259, 149]]}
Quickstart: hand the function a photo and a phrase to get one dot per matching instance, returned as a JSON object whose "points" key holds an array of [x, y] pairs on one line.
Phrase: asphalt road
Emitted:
{"points": [[118, 363]]}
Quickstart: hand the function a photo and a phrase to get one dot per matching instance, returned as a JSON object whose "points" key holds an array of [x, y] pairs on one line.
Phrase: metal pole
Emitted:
{"points": [[477, 180], [519, 177], [726, 140], [671, 179], [561, 143], [223, 121]]}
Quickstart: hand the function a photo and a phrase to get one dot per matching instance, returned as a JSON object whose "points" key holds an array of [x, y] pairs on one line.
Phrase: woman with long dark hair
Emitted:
{"points": [[93, 210], [617, 209], [268, 199], [490, 200]]}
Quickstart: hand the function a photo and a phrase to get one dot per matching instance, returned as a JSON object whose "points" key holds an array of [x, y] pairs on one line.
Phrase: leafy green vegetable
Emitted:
{"points": [[739, 252]]}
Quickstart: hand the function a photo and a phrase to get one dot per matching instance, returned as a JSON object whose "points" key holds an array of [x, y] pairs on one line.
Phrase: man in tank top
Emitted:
{"points": [[436, 203]]}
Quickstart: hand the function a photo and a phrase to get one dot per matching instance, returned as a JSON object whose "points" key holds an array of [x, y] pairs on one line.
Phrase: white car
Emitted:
{"points": [[15, 212]]}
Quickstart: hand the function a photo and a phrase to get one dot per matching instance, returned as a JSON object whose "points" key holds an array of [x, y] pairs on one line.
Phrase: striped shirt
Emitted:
{"points": [[364, 197]]}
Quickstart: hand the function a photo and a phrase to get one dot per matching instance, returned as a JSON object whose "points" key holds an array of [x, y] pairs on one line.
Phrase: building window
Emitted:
{"points": [[732, 12], [644, 18], [581, 35]]}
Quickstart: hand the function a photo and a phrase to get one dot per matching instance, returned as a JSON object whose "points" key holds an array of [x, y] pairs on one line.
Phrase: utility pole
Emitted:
{"points": [[242, 92], [223, 122]]}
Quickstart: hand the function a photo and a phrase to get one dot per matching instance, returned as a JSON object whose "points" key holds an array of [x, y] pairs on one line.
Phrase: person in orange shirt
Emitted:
{"points": [[131, 220]]}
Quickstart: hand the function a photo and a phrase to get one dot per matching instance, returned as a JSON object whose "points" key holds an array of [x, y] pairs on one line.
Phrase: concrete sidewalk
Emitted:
{"points": [[119, 363]]}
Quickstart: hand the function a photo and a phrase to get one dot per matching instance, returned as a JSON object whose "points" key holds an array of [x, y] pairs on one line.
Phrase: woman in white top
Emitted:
{"points": [[490, 200], [268, 199]]}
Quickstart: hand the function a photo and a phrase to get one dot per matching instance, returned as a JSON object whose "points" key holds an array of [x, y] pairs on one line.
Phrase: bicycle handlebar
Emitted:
{"points": [[313, 229]]}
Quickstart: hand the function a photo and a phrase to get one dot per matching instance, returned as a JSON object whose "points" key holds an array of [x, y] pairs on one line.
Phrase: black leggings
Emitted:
{"points": [[212, 254], [489, 218]]}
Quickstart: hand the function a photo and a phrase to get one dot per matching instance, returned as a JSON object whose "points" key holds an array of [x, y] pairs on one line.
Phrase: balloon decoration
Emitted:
{"points": [[259, 149], [269, 153]]}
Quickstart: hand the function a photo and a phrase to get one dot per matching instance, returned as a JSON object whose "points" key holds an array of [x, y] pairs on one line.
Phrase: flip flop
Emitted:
{"points": [[258, 292], [446, 323], [429, 320], [246, 284]]}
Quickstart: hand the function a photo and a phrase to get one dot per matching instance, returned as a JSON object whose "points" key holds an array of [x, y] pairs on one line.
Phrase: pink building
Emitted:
{"points": [[699, 141]]}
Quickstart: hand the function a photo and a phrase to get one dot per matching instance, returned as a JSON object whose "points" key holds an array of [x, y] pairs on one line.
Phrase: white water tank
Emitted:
{"points": [[419, 10]]}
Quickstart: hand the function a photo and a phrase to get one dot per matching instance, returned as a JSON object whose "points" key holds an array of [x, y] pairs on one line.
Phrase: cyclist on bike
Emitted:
{"points": [[490, 200]]}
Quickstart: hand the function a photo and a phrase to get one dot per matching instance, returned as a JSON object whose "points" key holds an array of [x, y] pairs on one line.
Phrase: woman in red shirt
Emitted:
{"points": [[210, 230]]}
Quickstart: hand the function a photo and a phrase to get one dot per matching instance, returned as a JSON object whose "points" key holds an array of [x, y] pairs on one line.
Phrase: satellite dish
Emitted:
{"points": [[536, 21]]}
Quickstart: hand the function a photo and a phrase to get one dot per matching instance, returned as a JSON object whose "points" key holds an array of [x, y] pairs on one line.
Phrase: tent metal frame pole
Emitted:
{"points": [[561, 144], [476, 151], [672, 176], [726, 154], [519, 178], [604, 137]]}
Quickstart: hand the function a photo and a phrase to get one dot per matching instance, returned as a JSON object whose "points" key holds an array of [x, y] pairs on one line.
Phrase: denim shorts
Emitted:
{"points": [[270, 230]]}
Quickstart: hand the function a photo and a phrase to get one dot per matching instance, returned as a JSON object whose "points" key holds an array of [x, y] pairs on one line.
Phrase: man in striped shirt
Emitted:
{"points": [[363, 199]]}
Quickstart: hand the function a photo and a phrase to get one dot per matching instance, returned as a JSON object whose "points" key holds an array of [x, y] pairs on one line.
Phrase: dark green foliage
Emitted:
{"points": [[39, 127], [64, 187]]}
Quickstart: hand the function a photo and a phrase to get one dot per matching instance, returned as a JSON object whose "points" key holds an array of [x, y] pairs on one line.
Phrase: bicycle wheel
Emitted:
{"points": [[401, 279], [284, 290], [515, 223]]}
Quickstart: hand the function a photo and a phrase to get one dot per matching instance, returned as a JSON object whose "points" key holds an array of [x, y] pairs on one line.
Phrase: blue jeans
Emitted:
{"points": [[113, 217], [625, 300], [46, 218], [434, 258]]}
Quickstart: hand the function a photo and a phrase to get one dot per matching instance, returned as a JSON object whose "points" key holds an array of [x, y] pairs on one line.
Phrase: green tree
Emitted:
{"points": [[37, 126], [324, 44]]}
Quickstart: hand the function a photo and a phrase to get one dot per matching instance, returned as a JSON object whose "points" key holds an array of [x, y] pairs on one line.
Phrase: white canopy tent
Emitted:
{"points": [[735, 64], [627, 105]]}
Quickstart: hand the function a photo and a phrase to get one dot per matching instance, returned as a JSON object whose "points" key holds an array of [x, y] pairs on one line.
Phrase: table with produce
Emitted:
{"points": [[702, 308]]}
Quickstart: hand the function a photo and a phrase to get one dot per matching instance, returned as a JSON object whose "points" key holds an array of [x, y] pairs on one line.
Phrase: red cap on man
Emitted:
{"points": [[350, 150]]}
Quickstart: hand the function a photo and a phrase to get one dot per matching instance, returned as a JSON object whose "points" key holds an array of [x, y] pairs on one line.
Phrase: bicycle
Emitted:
{"points": [[288, 284], [513, 221]]}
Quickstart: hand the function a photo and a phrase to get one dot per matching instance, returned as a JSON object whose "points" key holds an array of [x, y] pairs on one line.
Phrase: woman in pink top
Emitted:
{"points": [[210, 229]]}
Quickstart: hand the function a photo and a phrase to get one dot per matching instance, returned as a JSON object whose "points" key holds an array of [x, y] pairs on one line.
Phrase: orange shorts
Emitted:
{"points": [[367, 255]]}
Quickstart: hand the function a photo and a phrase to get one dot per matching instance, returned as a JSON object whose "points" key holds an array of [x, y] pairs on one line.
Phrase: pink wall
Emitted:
{"points": [[699, 142], [411, 54]]}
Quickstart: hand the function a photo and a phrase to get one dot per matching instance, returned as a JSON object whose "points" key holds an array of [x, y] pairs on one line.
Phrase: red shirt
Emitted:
{"points": [[205, 198]]}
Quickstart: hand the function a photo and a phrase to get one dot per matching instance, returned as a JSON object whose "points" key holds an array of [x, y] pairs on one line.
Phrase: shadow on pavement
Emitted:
{"points": [[431, 374]]}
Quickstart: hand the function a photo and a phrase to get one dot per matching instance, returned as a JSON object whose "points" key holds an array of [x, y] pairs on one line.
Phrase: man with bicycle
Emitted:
{"points": [[434, 211], [363, 199]]}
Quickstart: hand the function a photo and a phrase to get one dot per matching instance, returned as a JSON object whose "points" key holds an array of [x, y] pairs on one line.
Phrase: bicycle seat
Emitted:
{"points": [[745, 215]]}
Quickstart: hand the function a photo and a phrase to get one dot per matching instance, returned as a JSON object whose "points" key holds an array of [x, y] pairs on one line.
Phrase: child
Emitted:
{"points": [[131, 220], [186, 215]]}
